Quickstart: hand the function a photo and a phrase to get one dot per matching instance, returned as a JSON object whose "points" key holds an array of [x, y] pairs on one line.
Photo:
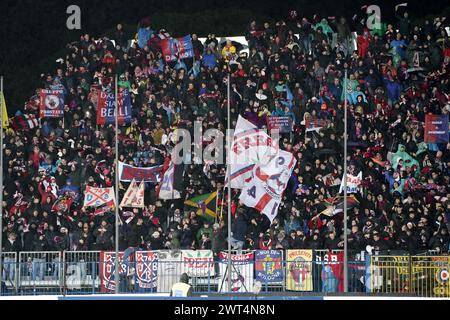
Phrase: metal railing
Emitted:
{"points": [[266, 272]]}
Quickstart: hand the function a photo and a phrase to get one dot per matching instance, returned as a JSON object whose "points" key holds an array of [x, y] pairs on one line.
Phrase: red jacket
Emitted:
{"points": [[363, 45], [316, 224]]}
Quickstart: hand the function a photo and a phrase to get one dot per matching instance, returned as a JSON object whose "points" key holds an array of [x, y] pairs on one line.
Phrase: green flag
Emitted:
{"points": [[204, 205]]}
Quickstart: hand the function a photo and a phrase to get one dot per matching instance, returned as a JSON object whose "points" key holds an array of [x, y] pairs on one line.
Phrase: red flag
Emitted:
{"points": [[62, 204]]}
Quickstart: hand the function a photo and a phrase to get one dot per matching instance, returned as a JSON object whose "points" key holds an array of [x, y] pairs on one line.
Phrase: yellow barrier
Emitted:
{"points": [[423, 276]]}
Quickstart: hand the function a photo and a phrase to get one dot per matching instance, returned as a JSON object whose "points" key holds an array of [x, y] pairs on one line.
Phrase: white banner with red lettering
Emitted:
{"points": [[242, 271], [198, 263]]}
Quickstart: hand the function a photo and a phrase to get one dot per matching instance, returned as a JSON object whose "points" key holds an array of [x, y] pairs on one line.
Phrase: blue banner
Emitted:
{"points": [[106, 108], [269, 266]]}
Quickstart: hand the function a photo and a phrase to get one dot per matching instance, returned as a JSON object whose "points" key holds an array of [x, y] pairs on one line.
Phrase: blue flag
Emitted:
{"points": [[143, 36]]}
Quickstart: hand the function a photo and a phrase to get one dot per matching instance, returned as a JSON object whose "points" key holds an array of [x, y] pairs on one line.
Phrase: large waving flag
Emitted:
{"points": [[250, 146], [24, 121], [204, 205], [265, 190], [143, 35], [134, 196]]}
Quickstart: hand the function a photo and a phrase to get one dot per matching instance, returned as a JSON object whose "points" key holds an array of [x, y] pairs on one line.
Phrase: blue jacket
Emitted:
{"points": [[239, 228], [393, 90], [209, 60], [397, 45], [336, 91]]}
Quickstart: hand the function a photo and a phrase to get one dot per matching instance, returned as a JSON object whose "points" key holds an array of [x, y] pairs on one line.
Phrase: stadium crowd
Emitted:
{"points": [[395, 77]]}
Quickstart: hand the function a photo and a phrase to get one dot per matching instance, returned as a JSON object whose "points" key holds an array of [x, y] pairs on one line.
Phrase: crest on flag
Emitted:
{"points": [[146, 270], [96, 197], [134, 196], [51, 103]]}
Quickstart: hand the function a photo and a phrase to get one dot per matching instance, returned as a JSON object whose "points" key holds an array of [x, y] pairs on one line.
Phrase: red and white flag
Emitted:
{"points": [[62, 204], [167, 188], [96, 197], [250, 146], [265, 190], [31, 120], [100, 211], [24, 122], [134, 196]]}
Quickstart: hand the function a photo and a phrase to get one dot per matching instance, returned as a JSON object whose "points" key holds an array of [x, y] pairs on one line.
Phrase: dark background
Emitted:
{"points": [[33, 34]]}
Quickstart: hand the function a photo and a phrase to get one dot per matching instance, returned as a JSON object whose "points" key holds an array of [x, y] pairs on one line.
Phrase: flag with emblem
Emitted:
{"points": [[51, 103], [62, 204], [204, 205], [96, 197]]}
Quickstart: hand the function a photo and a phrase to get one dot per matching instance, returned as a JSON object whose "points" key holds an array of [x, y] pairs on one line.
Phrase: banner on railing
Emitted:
{"points": [[146, 271], [169, 269], [268, 266], [198, 263], [332, 275], [299, 270], [107, 270], [241, 272], [440, 270]]}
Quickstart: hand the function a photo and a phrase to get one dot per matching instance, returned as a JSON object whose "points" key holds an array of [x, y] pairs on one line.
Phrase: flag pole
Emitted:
{"points": [[116, 261], [229, 180], [345, 187], [1, 183]]}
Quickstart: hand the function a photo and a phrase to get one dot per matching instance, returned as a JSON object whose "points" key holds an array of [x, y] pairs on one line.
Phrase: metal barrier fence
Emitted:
{"points": [[273, 271], [424, 276]]}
